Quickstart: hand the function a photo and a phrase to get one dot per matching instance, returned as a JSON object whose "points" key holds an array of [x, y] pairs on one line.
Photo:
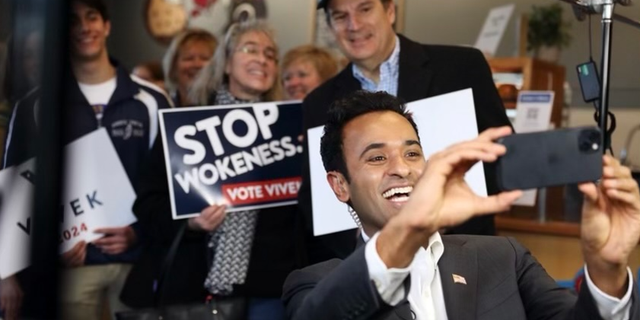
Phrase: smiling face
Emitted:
{"points": [[299, 78], [384, 160], [252, 66], [363, 30], [89, 32], [191, 58]]}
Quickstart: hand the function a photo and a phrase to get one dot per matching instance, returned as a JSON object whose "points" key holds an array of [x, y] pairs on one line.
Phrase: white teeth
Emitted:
{"points": [[400, 199], [393, 191]]}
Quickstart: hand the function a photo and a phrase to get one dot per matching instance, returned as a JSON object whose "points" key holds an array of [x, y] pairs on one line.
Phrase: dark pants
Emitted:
{"points": [[265, 309]]}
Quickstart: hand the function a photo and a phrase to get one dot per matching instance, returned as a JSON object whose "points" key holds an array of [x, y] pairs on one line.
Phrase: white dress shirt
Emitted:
{"points": [[426, 296]]}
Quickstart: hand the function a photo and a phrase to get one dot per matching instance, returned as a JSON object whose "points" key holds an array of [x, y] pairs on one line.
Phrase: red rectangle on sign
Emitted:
{"points": [[261, 191]]}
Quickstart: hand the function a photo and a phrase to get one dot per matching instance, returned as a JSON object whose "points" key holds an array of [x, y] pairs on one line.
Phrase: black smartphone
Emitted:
{"points": [[589, 81], [550, 158]]}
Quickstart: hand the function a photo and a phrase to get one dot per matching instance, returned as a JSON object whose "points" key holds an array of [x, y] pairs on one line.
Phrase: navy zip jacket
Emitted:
{"points": [[130, 118]]}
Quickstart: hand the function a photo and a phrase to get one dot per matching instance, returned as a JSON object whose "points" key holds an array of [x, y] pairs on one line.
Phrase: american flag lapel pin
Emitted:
{"points": [[458, 279]]}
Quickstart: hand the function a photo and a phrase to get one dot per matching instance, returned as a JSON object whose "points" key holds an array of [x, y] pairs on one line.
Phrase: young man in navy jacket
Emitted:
{"points": [[100, 94]]}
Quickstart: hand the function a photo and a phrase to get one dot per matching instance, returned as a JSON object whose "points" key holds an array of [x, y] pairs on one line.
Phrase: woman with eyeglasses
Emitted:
{"points": [[236, 257], [244, 69]]}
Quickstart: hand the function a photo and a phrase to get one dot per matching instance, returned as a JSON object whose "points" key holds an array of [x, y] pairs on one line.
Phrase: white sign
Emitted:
{"points": [[97, 194], [441, 120], [533, 113], [493, 29], [15, 205]]}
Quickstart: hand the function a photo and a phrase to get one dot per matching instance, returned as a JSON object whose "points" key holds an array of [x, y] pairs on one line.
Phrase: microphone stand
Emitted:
{"points": [[605, 64], [607, 6]]}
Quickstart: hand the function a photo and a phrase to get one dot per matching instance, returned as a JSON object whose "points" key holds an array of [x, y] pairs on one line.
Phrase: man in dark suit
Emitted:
{"points": [[383, 61], [406, 270]]}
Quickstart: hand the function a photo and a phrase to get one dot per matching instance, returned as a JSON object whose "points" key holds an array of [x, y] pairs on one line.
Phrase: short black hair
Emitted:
{"points": [[342, 112], [98, 5], [323, 4]]}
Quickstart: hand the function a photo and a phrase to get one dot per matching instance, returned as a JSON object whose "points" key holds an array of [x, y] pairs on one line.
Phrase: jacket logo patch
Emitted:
{"points": [[126, 129]]}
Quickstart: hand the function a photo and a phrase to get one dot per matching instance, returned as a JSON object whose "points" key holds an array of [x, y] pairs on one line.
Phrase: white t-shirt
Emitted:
{"points": [[98, 94]]}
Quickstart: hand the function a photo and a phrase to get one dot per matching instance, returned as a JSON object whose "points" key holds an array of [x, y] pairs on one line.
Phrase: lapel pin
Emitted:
{"points": [[459, 279]]}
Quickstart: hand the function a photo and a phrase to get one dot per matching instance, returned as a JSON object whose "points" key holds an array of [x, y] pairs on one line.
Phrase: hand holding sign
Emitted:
{"points": [[75, 257], [243, 156], [209, 219], [116, 240]]}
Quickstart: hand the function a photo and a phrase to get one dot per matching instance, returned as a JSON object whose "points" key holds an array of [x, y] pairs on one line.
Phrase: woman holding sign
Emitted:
{"points": [[245, 254]]}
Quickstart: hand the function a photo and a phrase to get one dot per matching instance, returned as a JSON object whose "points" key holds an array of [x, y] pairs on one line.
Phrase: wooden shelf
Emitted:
{"points": [[536, 75], [557, 228]]}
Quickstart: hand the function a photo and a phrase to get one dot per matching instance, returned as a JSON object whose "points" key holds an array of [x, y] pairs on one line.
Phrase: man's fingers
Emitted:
{"points": [[212, 209], [469, 156], [613, 169], [590, 191], [77, 248], [626, 197], [497, 203], [487, 146], [76, 255], [114, 249], [628, 185], [493, 134], [460, 160], [109, 240], [213, 212], [119, 230]]}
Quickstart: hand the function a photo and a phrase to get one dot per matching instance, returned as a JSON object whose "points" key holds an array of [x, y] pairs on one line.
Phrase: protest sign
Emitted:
{"points": [[243, 156], [442, 121], [97, 194]]}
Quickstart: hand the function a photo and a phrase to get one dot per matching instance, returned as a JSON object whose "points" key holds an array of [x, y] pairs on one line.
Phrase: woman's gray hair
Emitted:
{"points": [[212, 77], [170, 57]]}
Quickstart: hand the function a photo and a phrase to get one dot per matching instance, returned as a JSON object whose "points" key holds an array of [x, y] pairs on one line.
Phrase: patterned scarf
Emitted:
{"points": [[231, 242]]}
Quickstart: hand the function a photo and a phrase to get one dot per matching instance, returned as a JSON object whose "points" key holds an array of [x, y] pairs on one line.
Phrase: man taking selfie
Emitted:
{"points": [[407, 270]]}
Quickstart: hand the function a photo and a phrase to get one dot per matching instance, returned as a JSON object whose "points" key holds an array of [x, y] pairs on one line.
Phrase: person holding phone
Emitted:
{"points": [[407, 270]]}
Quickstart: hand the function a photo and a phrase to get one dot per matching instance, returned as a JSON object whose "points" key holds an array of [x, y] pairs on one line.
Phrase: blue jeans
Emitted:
{"points": [[265, 309]]}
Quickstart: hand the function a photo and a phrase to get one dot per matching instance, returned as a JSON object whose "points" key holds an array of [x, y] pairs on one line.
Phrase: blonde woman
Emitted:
{"points": [[188, 53], [304, 68]]}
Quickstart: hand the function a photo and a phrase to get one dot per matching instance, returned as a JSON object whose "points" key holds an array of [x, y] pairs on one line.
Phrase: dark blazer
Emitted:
{"points": [[425, 71], [503, 282]]}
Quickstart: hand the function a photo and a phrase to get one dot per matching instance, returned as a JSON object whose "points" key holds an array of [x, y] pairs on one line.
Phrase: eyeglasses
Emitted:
{"points": [[269, 53]]}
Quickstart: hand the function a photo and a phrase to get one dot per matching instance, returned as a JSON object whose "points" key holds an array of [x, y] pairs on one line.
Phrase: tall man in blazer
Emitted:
{"points": [[374, 162], [383, 61]]}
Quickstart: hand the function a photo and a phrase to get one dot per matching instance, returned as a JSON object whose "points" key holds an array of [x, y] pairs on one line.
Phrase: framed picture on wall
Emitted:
{"points": [[166, 18]]}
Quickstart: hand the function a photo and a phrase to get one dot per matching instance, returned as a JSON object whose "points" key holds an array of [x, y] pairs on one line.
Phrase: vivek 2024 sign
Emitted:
{"points": [[243, 156]]}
